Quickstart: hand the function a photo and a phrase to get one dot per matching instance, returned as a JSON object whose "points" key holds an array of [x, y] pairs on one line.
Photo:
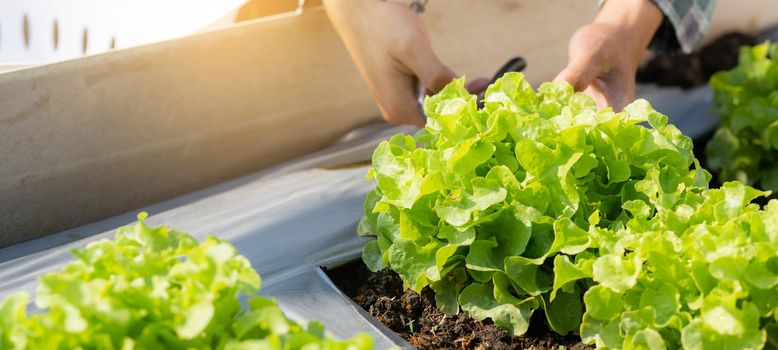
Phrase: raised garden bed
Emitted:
{"points": [[415, 317]]}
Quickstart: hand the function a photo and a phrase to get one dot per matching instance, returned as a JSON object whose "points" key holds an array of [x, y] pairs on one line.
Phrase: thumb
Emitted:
{"points": [[427, 67], [435, 75], [578, 73]]}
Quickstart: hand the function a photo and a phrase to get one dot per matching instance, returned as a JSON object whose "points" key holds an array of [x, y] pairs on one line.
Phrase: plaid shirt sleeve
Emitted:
{"points": [[684, 24]]}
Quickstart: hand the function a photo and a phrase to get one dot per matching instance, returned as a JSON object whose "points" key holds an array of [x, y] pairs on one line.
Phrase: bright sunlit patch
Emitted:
{"points": [[59, 30]]}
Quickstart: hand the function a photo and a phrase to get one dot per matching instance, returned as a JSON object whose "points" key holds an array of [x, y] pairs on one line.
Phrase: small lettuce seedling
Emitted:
{"points": [[156, 288], [745, 145]]}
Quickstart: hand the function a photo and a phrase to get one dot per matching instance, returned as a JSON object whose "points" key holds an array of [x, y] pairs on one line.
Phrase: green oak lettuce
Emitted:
{"points": [[156, 288], [745, 145], [602, 221]]}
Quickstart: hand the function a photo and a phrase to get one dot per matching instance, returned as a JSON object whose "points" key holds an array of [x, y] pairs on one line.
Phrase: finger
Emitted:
{"points": [[424, 64], [583, 65], [618, 89], [597, 92], [626, 92], [434, 74], [399, 117], [398, 113], [477, 86], [396, 97], [617, 100], [578, 73]]}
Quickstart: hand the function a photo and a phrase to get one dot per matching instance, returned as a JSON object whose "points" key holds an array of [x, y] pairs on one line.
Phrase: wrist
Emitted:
{"points": [[344, 9], [635, 21]]}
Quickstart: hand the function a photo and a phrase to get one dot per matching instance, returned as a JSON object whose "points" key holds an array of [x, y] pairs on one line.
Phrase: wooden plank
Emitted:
{"points": [[90, 138], [86, 139]]}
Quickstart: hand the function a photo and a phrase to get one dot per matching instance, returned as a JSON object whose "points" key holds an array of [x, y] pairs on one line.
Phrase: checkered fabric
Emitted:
{"points": [[684, 24]]}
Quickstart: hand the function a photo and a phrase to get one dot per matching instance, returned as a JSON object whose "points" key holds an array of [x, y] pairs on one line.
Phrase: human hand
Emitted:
{"points": [[604, 55], [392, 51]]}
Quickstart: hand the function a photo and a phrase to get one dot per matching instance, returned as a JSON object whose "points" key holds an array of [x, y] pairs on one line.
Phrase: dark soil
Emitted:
{"points": [[415, 317], [687, 71]]}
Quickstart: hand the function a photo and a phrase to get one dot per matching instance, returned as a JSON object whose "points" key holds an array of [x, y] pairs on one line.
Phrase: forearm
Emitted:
{"points": [[392, 51], [636, 20], [343, 12], [346, 17]]}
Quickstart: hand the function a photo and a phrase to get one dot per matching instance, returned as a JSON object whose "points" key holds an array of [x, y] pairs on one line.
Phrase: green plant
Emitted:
{"points": [[601, 220], [156, 288], [745, 145]]}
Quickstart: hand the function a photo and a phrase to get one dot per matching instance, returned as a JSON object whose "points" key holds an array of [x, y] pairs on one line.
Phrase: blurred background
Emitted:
{"points": [[41, 31]]}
